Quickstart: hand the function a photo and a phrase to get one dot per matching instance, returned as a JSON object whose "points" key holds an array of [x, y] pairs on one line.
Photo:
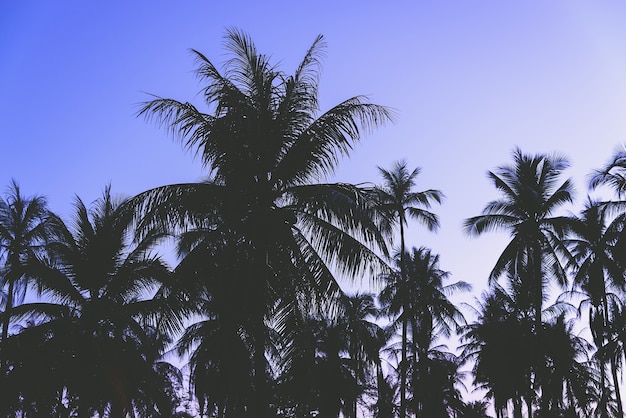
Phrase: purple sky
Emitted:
{"points": [[469, 80]]}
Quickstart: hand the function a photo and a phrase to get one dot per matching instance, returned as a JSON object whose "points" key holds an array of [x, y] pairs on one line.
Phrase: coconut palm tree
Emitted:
{"points": [[474, 409], [615, 348], [501, 328], [599, 275], [421, 301], [434, 384], [363, 342], [264, 146], [564, 376], [24, 228], [432, 316], [96, 337], [612, 174], [397, 202], [531, 193], [385, 394], [335, 360], [219, 364]]}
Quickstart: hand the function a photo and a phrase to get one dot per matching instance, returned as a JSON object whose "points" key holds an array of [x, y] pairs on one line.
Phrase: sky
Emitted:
{"points": [[469, 81]]}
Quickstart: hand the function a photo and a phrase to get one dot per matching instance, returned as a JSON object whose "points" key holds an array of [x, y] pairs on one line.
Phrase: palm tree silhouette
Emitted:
{"points": [[24, 229], [396, 202], [219, 364], [531, 194], [501, 328], [363, 342], [599, 274], [421, 301], [95, 336], [264, 145], [612, 174], [434, 384], [564, 374], [474, 409], [335, 359]]}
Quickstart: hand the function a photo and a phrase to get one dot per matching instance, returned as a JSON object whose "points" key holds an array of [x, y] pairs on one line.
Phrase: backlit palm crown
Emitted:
{"points": [[264, 145], [530, 195]]}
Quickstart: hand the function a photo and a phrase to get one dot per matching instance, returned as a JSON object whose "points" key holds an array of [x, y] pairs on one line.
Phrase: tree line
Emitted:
{"points": [[255, 304]]}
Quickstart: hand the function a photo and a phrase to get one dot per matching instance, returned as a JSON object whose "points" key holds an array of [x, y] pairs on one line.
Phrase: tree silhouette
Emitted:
{"points": [[397, 202], [93, 342], [24, 228], [531, 194], [264, 145], [334, 361], [599, 274], [501, 347]]}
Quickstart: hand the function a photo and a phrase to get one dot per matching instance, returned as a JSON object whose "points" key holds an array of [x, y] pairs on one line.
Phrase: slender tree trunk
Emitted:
{"points": [[517, 407], [529, 406], [616, 385], [5, 324], [403, 362], [260, 385], [260, 401], [598, 340], [261, 406], [534, 381]]}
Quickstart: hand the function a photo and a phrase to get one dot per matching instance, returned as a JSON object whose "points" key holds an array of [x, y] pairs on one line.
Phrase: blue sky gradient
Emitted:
{"points": [[469, 81]]}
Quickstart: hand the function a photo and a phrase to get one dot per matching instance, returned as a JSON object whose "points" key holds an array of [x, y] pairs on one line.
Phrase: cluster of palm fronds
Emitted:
{"points": [[555, 372], [254, 307]]}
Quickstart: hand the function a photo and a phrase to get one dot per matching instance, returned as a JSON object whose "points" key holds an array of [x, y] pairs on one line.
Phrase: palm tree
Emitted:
{"points": [[500, 346], [531, 194], [264, 145], [599, 274], [474, 409], [24, 229], [432, 316], [219, 364], [434, 384], [363, 341], [565, 376], [94, 340], [421, 301], [612, 174], [397, 202], [615, 348], [385, 393], [335, 360]]}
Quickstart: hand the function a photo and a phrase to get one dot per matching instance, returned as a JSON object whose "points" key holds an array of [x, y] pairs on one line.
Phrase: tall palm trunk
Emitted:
{"points": [[598, 340], [537, 302], [605, 324], [260, 398], [5, 324], [517, 406], [260, 387], [529, 405], [403, 363]]}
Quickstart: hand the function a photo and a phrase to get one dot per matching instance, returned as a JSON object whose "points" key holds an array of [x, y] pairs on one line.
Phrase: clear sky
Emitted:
{"points": [[470, 80]]}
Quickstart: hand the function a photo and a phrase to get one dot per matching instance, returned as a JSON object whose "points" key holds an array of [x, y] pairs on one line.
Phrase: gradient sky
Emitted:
{"points": [[470, 80]]}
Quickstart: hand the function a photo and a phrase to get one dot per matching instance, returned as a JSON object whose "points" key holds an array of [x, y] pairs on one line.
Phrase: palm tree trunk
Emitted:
{"points": [[5, 323], [517, 406], [403, 362], [529, 406], [618, 396], [598, 340], [537, 278], [605, 322], [260, 399]]}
